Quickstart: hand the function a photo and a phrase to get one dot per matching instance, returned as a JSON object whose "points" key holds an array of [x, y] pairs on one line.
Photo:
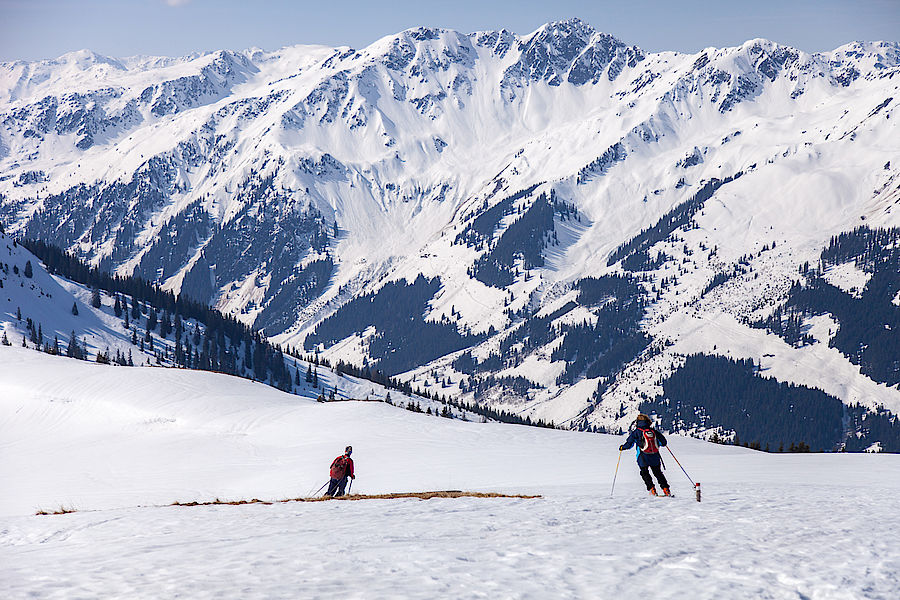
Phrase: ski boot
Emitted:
{"points": [[666, 492], [653, 491]]}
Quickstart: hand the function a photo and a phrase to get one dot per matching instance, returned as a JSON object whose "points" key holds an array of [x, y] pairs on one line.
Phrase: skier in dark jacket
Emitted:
{"points": [[648, 441], [341, 469]]}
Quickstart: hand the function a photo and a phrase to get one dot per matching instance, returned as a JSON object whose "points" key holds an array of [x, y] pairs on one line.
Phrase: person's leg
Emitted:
{"points": [[332, 487], [342, 485], [645, 475], [657, 470]]}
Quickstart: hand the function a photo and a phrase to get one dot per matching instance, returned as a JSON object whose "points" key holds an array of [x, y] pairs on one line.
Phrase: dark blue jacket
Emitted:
{"points": [[635, 438]]}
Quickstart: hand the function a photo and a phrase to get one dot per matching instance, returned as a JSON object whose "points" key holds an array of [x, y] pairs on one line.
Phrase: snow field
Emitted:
{"points": [[119, 444], [741, 542]]}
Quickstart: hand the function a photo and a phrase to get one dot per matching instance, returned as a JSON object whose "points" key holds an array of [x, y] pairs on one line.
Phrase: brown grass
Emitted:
{"points": [[62, 510], [419, 495]]}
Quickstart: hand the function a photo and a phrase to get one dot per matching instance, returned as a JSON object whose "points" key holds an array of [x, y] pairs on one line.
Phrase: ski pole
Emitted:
{"points": [[679, 464], [349, 487], [615, 474], [310, 493], [316, 493], [696, 485]]}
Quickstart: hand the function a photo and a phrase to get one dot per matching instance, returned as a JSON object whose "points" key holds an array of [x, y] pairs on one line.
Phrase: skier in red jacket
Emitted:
{"points": [[341, 469]]}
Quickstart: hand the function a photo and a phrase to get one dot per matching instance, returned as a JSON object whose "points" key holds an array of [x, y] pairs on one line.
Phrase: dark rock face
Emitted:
{"points": [[105, 212], [80, 113], [570, 51]]}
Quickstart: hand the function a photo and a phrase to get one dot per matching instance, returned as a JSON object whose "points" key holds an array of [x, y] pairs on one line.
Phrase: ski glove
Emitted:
{"points": [[621, 448]]}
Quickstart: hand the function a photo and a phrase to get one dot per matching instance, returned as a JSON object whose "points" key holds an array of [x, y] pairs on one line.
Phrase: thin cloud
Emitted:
{"points": [[177, 2]]}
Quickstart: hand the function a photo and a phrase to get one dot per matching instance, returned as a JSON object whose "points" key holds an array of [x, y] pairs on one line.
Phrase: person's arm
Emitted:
{"points": [[629, 442]]}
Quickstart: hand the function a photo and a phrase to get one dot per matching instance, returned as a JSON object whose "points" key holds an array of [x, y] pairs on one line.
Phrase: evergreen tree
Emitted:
{"points": [[165, 325], [73, 350], [29, 273], [95, 299], [103, 358], [117, 307], [75, 308]]}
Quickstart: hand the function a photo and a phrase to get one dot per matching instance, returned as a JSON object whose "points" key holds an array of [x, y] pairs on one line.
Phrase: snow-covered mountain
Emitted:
{"points": [[550, 223]]}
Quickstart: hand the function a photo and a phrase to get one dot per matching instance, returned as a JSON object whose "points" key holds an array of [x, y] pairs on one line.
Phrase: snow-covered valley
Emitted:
{"points": [[118, 445]]}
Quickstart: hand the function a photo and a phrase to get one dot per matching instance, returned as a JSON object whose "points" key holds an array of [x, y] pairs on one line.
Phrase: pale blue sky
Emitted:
{"points": [[33, 29]]}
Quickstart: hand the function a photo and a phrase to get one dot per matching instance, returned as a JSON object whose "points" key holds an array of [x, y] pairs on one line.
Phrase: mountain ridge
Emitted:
{"points": [[280, 186]]}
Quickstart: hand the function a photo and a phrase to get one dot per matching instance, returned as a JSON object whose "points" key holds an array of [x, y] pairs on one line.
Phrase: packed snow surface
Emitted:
{"points": [[119, 444]]}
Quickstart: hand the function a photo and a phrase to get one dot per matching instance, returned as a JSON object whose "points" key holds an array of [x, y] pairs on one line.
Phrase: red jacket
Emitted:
{"points": [[342, 467]]}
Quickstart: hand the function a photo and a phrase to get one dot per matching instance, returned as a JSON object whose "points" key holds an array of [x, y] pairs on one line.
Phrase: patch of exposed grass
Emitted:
{"points": [[62, 510], [419, 495]]}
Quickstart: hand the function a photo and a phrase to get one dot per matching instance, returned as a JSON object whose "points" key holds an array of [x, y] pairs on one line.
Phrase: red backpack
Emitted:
{"points": [[648, 443], [339, 467]]}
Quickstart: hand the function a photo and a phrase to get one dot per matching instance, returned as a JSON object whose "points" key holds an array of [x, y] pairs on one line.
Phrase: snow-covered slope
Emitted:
{"points": [[282, 186], [118, 445], [48, 313]]}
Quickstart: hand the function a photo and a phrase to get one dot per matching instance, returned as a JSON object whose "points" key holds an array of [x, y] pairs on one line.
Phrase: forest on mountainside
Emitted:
{"points": [[869, 322], [719, 393]]}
